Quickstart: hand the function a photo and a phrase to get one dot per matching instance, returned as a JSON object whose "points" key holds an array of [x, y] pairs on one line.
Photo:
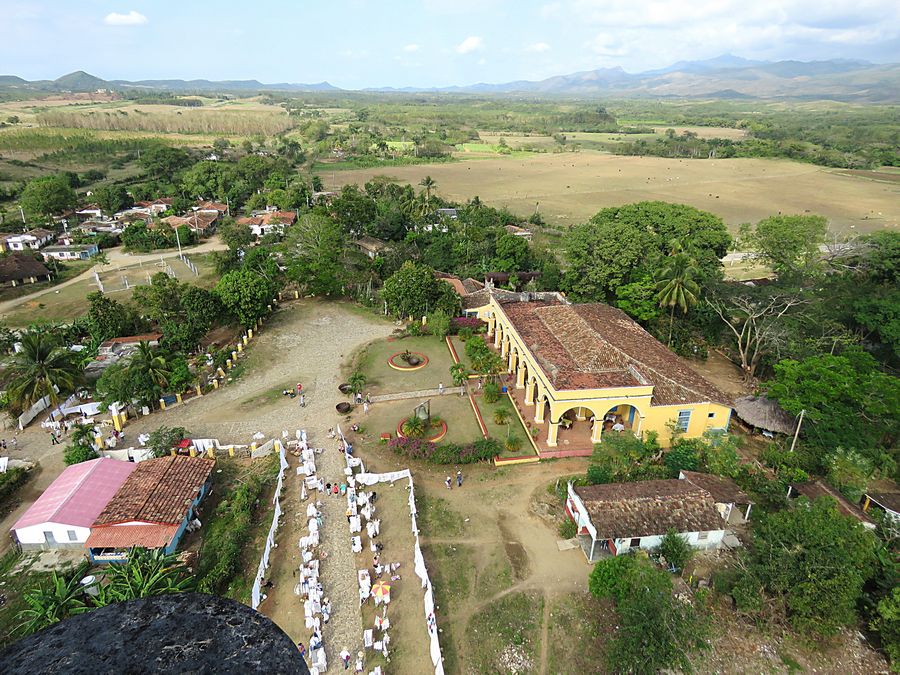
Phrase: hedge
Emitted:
{"points": [[471, 322], [483, 450]]}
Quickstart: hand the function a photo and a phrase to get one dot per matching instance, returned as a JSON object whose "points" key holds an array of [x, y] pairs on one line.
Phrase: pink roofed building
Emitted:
{"points": [[63, 515]]}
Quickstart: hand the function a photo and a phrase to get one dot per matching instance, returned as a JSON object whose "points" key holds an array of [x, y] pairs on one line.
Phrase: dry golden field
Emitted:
{"points": [[568, 188]]}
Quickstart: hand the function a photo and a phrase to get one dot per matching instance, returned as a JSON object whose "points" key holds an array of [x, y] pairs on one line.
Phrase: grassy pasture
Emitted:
{"points": [[570, 187]]}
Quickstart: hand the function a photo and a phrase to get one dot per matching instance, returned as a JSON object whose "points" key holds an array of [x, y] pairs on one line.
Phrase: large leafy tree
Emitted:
{"points": [[42, 368], [163, 162], [353, 209], [657, 631], [814, 561], [621, 244], [511, 254], [413, 290], [788, 244], [107, 318], [849, 401], [112, 198], [245, 294], [47, 196]]}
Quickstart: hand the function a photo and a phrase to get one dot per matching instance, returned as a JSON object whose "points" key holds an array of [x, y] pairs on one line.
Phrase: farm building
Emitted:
{"points": [[152, 509], [765, 414], [732, 503], [616, 518], [62, 516], [74, 252], [813, 490], [588, 370], [18, 269]]}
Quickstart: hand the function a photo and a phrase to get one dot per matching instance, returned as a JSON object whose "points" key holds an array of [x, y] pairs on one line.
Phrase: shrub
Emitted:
{"points": [[513, 444], [465, 333], [608, 576], [446, 453], [887, 623], [568, 529], [501, 416], [439, 324], [470, 324], [676, 549], [77, 453], [163, 439], [681, 457], [12, 480], [491, 392]]}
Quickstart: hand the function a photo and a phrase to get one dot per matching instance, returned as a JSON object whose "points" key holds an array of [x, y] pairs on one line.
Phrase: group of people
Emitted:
{"points": [[448, 481]]}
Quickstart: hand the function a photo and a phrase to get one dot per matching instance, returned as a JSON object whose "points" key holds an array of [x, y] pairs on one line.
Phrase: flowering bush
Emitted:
{"points": [[446, 453]]}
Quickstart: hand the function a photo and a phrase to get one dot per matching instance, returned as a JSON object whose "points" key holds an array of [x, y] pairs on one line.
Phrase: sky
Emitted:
{"points": [[362, 43]]}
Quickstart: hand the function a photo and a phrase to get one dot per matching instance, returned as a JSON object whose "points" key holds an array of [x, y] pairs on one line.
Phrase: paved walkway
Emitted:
{"points": [[422, 393]]}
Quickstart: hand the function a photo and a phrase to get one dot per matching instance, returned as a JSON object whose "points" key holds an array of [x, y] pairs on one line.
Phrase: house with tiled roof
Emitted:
{"points": [[62, 516], [152, 509], [21, 268], [586, 370], [270, 221], [732, 503], [31, 240], [816, 489], [616, 518]]}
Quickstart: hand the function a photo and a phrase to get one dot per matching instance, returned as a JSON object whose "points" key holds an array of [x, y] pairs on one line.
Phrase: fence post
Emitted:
{"points": [[178, 398], [210, 453], [215, 384], [231, 451], [199, 389], [162, 404]]}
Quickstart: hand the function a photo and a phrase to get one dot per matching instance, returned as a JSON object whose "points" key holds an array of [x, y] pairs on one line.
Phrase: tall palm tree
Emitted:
{"points": [[429, 184], [51, 601], [145, 574], [42, 368], [676, 288], [151, 368], [357, 381]]}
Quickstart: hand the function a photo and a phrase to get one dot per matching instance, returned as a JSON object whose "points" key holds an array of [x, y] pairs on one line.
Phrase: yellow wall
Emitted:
{"points": [[599, 401]]}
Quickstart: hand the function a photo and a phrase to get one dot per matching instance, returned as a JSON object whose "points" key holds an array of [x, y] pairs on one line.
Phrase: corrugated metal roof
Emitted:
{"points": [[79, 494]]}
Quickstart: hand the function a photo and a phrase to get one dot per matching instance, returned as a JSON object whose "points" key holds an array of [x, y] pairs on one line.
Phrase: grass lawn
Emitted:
{"points": [[500, 432], [454, 409], [382, 379], [68, 303], [580, 625], [505, 637], [460, 348]]}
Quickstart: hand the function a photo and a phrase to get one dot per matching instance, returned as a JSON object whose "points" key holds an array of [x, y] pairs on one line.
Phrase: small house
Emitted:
{"points": [[616, 518], [732, 503], [270, 221], [372, 247], [20, 268], [89, 212], [759, 412], [73, 252], [152, 509], [517, 231], [62, 516], [813, 490], [31, 240]]}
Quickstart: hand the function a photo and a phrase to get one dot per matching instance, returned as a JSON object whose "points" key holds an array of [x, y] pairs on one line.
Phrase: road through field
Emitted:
{"points": [[568, 188]]}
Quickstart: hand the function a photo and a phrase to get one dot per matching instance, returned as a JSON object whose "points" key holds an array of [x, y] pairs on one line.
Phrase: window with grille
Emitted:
{"points": [[684, 420]]}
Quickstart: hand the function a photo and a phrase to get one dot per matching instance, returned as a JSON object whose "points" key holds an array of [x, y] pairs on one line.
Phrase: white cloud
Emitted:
{"points": [[470, 44], [133, 18], [538, 47], [411, 48]]}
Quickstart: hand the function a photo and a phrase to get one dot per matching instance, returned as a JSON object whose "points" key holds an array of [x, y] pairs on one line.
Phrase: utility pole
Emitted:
{"points": [[178, 241], [797, 431]]}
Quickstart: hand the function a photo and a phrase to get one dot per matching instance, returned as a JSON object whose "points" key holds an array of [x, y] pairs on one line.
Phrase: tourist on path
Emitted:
{"points": [[345, 657], [441, 388], [302, 650], [458, 478], [449, 483]]}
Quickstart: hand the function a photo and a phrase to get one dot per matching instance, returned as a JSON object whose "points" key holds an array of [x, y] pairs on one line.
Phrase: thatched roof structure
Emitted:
{"points": [[764, 413]]}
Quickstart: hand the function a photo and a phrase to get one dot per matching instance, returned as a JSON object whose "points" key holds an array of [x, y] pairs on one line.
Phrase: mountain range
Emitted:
{"points": [[726, 76]]}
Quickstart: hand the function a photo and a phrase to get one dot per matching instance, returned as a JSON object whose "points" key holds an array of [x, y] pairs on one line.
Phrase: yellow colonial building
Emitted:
{"points": [[579, 372]]}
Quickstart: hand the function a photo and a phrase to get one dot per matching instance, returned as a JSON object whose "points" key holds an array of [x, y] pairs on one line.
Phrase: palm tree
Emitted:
{"points": [[52, 601], [42, 368], [145, 574], [675, 286], [149, 367], [459, 374], [429, 184], [414, 427], [357, 381]]}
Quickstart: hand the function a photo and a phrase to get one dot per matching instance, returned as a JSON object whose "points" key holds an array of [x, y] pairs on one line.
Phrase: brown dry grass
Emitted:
{"points": [[571, 187]]}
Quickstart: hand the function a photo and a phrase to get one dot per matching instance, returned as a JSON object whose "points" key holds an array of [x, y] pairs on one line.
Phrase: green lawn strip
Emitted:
{"points": [[579, 628], [453, 409], [495, 576], [504, 636], [500, 432], [435, 517]]}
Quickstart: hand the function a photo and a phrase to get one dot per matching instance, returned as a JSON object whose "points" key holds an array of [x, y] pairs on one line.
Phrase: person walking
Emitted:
{"points": [[449, 483], [366, 407], [345, 657], [440, 388], [302, 400], [302, 650], [458, 478]]}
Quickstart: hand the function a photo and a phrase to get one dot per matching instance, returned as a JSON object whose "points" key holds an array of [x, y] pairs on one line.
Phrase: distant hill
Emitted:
{"points": [[725, 76]]}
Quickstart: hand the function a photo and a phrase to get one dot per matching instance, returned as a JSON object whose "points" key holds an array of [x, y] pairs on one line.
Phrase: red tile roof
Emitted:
{"points": [[130, 536], [649, 508], [723, 490], [595, 346], [158, 491], [814, 489], [129, 339]]}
